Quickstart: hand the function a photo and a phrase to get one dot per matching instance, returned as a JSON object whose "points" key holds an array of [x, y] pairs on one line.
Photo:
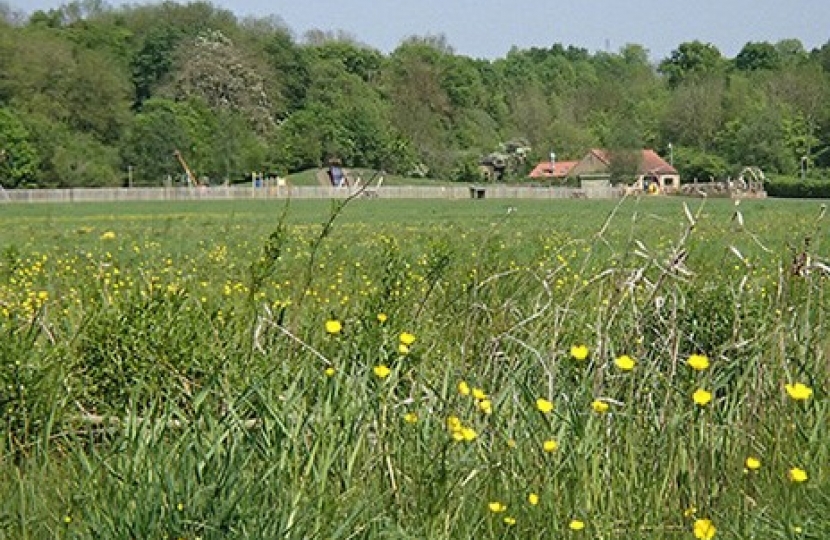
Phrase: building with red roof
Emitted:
{"points": [[558, 170], [651, 172]]}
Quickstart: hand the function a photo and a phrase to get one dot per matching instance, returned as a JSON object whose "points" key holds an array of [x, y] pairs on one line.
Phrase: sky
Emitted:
{"points": [[489, 28]]}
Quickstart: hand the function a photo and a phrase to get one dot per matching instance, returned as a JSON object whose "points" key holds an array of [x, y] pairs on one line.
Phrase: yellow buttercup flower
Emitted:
{"points": [[406, 338], [702, 397], [797, 475], [468, 434], [550, 445], [403, 349], [599, 406], [799, 391], [382, 317], [576, 525], [698, 362], [704, 529], [496, 507], [329, 372], [486, 406], [509, 520], [464, 388], [381, 371], [333, 326], [479, 394], [625, 362], [454, 423], [544, 405], [579, 352], [752, 463], [533, 499], [410, 418]]}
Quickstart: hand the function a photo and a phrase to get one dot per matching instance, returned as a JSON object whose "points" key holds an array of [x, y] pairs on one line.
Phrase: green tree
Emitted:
{"points": [[18, 157], [156, 132], [690, 60], [211, 68], [756, 56]]}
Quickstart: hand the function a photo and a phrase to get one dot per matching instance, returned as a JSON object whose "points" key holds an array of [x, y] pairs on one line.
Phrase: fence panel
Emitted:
{"points": [[300, 192]]}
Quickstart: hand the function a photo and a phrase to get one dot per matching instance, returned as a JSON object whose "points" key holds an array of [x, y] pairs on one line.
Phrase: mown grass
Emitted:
{"points": [[168, 373]]}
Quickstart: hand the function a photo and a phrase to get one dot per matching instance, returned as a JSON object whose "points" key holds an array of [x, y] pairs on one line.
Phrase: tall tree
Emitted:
{"points": [[691, 60]]}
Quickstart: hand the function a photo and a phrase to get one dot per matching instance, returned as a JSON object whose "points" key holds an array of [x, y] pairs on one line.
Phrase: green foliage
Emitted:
{"points": [[18, 158], [166, 374], [757, 56], [246, 95], [690, 60], [467, 169], [797, 188], [692, 164], [155, 134], [82, 161]]}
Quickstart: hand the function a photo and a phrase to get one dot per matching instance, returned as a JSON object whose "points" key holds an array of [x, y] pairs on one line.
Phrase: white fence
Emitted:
{"points": [[300, 192]]}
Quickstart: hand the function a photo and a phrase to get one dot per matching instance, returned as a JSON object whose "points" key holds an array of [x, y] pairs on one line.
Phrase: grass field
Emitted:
{"points": [[643, 369]]}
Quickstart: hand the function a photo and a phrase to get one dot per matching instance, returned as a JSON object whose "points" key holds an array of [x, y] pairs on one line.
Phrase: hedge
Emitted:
{"points": [[796, 188]]}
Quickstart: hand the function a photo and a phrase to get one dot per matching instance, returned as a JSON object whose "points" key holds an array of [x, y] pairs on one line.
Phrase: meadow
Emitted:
{"points": [[652, 368]]}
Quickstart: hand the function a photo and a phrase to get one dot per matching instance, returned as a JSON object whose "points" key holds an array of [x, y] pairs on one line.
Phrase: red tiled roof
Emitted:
{"points": [[650, 162], [560, 169]]}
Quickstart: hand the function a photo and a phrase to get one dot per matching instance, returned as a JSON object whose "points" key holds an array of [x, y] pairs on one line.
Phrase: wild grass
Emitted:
{"points": [[175, 371]]}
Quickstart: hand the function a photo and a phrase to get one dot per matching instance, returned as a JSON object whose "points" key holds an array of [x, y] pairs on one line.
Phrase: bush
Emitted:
{"points": [[795, 188]]}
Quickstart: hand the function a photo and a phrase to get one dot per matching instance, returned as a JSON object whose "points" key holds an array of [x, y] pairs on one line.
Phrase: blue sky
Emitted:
{"points": [[488, 28]]}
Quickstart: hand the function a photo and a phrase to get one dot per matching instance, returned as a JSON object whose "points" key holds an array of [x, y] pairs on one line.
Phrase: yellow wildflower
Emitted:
{"points": [[403, 349], [579, 352], [533, 499], [544, 405], [410, 418], [576, 525], [496, 507], [702, 397], [486, 406], [799, 391], [382, 317], [599, 406], [381, 371], [704, 529], [464, 388], [406, 338], [329, 372], [752, 463], [698, 362], [109, 235], [550, 445], [509, 520], [468, 434], [625, 362], [333, 326], [453, 423], [479, 394], [797, 475]]}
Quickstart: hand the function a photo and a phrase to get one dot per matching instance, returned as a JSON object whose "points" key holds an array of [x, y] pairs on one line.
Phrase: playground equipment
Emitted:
{"points": [[191, 177]]}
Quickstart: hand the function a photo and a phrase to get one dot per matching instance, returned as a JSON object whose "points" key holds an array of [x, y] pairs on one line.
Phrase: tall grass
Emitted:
{"points": [[176, 377]]}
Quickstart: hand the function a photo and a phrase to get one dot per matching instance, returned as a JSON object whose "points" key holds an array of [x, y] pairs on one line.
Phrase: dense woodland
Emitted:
{"points": [[88, 92]]}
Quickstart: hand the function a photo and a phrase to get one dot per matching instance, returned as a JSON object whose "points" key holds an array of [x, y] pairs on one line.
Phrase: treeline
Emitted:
{"points": [[91, 95]]}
